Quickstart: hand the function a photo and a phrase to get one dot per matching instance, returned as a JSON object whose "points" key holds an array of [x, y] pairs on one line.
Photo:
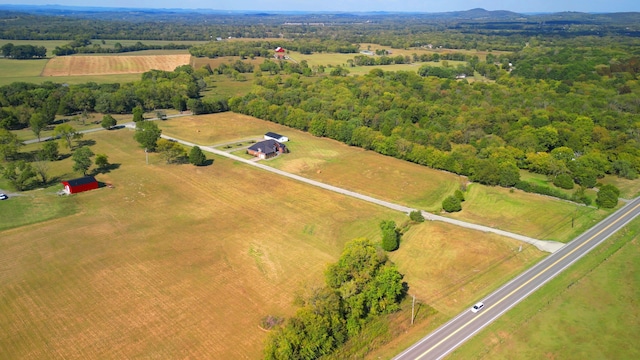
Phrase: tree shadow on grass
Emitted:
{"points": [[105, 169], [85, 142]]}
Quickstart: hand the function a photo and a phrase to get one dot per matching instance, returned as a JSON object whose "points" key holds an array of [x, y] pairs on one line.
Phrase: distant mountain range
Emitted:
{"points": [[478, 15]]}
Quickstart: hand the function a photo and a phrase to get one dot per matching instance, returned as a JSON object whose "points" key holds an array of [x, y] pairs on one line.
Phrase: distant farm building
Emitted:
{"points": [[267, 149], [79, 185], [280, 53], [276, 137]]}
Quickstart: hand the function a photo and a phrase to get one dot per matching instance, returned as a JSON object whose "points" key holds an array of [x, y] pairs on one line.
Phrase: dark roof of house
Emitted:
{"points": [[273, 135], [268, 146], [81, 181]]}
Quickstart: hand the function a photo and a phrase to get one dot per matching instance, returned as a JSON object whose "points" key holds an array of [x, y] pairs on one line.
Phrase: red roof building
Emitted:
{"points": [[79, 185], [280, 53]]}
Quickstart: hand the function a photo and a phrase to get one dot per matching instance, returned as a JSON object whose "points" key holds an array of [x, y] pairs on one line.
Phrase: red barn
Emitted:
{"points": [[79, 185], [280, 53]]}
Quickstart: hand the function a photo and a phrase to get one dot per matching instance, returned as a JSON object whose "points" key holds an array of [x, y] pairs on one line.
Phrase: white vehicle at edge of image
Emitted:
{"points": [[3, 196], [477, 307]]}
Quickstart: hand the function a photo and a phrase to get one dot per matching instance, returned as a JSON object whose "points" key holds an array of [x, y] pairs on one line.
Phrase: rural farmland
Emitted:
{"points": [[450, 146], [174, 239], [110, 65]]}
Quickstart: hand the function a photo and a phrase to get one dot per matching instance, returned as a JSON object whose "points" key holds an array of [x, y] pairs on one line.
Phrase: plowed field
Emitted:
{"points": [[107, 65]]}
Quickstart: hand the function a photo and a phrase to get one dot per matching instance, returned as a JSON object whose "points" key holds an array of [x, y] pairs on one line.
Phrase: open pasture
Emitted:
{"points": [[21, 70], [105, 65], [533, 215], [174, 261], [395, 180], [184, 261], [474, 264]]}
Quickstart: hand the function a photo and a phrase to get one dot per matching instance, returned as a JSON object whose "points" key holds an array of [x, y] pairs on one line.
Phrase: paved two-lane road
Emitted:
{"points": [[449, 336]]}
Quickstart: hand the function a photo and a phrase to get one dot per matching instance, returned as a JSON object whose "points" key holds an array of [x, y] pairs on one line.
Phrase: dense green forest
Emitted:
{"points": [[573, 111], [179, 89]]}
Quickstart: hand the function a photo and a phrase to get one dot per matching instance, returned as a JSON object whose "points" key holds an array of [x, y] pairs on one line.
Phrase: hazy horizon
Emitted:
{"points": [[429, 6]]}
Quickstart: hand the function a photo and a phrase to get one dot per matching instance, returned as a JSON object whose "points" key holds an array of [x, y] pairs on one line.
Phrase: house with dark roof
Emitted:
{"points": [[267, 149], [276, 137], [80, 184]]}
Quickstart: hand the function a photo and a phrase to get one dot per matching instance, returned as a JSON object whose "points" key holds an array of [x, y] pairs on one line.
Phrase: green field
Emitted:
{"points": [[30, 70], [588, 312]]}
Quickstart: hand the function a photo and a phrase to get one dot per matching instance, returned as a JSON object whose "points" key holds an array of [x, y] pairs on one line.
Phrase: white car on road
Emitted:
{"points": [[477, 307]]}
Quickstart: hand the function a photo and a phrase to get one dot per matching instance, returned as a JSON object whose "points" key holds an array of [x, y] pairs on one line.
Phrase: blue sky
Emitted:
{"points": [[360, 5]]}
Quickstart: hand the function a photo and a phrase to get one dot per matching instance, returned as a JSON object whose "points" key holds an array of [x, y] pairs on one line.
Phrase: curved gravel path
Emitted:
{"points": [[548, 246]]}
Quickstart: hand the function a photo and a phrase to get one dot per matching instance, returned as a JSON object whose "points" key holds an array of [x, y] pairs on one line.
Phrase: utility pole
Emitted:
{"points": [[413, 306], [146, 153]]}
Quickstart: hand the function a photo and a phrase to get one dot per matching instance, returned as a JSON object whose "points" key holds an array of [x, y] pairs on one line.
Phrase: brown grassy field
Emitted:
{"points": [[183, 261], [394, 180], [104, 65]]}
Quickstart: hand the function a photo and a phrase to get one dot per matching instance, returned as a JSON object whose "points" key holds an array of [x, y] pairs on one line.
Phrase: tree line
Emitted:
{"points": [[86, 46], [180, 89], [361, 285], [487, 131], [266, 48], [21, 52]]}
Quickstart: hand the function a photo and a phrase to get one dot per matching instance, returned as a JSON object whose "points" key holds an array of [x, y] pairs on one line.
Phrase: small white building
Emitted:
{"points": [[277, 137]]}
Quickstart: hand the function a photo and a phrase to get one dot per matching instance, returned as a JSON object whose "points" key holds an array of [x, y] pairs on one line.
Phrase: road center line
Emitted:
{"points": [[527, 282]]}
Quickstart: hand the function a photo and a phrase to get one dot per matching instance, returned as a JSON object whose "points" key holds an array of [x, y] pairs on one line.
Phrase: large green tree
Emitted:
{"points": [[171, 151], [196, 156], [102, 161], [360, 285], [451, 204], [607, 196], [37, 123], [50, 150], [18, 173], [66, 133], [82, 159], [108, 121], [9, 144], [138, 114], [390, 235], [147, 135]]}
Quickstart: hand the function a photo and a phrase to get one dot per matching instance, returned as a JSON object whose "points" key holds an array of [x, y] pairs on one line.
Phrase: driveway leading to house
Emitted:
{"points": [[548, 246], [130, 125]]}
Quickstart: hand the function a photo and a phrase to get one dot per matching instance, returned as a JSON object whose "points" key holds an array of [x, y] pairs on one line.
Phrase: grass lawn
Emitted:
{"points": [[183, 260], [629, 189], [221, 86], [589, 312], [18, 70], [395, 180], [533, 215], [33, 208]]}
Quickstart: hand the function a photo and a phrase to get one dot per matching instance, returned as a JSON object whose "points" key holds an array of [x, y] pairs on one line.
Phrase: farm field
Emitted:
{"points": [[51, 44], [395, 180], [180, 261], [591, 311], [107, 64]]}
